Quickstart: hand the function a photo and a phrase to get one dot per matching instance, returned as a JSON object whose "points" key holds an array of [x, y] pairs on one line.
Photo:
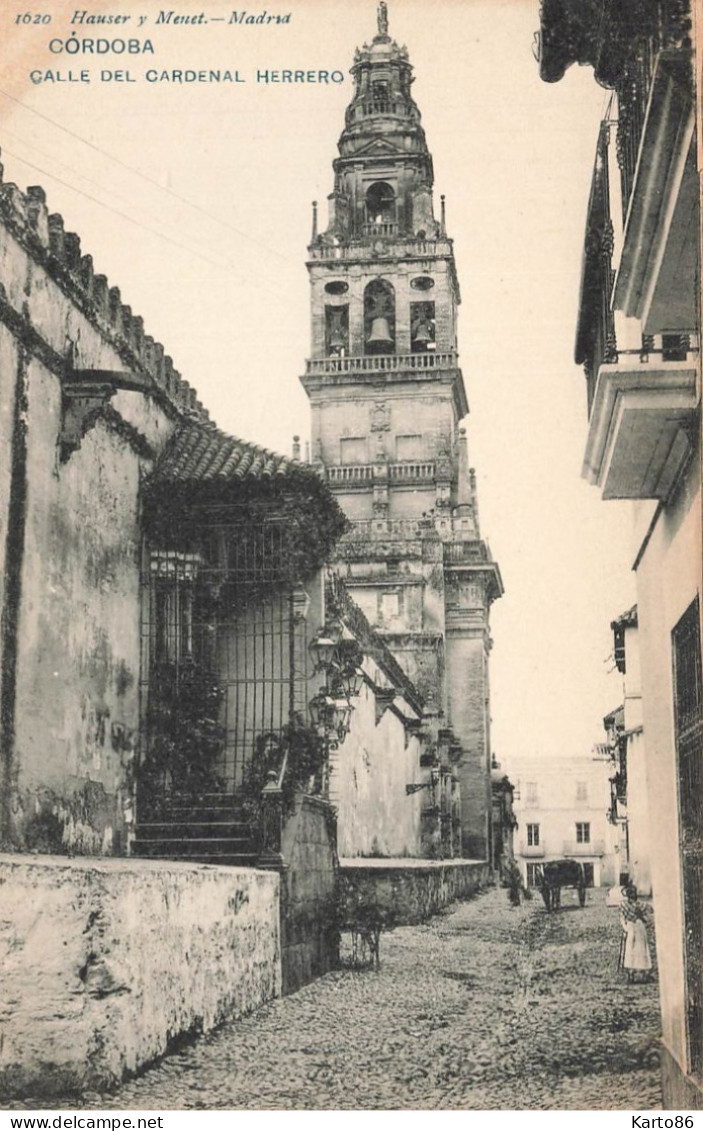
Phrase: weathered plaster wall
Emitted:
{"points": [[369, 773], [309, 933], [638, 819], [107, 962], [71, 612], [407, 891], [8, 375], [668, 580], [78, 664]]}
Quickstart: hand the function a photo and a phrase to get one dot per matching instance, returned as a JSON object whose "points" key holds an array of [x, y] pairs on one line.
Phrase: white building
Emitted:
{"points": [[630, 804], [562, 810]]}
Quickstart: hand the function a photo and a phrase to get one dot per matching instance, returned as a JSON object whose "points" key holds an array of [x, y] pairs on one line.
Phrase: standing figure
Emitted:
{"points": [[635, 955], [513, 882]]}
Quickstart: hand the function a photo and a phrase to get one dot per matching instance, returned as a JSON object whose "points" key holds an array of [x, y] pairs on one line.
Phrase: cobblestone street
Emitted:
{"points": [[484, 1007]]}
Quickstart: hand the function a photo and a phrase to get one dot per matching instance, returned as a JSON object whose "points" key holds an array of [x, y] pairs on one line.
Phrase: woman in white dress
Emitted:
{"points": [[635, 954]]}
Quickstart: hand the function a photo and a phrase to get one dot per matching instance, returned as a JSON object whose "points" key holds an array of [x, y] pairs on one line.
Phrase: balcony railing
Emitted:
{"points": [[370, 106], [532, 850], [364, 472], [465, 553], [408, 246], [350, 473], [364, 529], [380, 228], [405, 472], [668, 34], [381, 363], [590, 848]]}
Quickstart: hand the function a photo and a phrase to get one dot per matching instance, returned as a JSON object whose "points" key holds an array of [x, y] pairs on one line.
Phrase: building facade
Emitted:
{"points": [[387, 397], [638, 338], [626, 743], [562, 813]]}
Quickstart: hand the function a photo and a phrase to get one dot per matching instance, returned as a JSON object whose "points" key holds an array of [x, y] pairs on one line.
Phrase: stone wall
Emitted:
{"points": [[309, 935], [408, 891], [73, 451], [369, 773], [106, 963]]}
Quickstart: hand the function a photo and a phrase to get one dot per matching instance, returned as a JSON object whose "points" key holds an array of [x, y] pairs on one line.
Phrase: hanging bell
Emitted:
{"points": [[338, 338], [380, 332], [423, 331]]}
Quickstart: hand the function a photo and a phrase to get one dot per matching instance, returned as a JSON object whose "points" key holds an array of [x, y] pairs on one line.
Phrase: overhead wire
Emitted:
{"points": [[82, 176], [116, 211], [144, 176], [227, 264]]}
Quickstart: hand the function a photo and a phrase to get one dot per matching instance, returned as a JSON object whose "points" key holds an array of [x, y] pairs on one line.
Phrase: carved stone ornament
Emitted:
{"points": [[380, 417]]}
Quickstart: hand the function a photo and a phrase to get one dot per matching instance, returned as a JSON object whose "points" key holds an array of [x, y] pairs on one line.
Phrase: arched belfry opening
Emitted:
{"points": [[381, 211], [379, 317]]}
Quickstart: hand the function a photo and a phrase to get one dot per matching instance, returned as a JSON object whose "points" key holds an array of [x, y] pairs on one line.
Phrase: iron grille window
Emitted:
{"points": [[583, 832], [533, 836], [688, 714], [224, 656]]}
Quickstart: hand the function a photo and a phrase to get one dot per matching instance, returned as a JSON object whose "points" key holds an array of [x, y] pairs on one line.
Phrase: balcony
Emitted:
{"points": [[592, 848], [465, 553], [532, 851], [402, 247], [356, 473], [638, 438], [384, 528], [411, 472], [363, 473], [369, 107], [380, 363], [384, 228], [656, 151], [641, 401]]}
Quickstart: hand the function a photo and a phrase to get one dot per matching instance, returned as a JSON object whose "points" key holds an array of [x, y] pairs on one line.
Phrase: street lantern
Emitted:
{"points": [[352, 681], [341, 719], [322, 650], [321, 709], [324, 647]]}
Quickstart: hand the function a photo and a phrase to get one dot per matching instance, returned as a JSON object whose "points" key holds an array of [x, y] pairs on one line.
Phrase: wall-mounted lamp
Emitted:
{"points": [[340, 660], [433, 782], [330, 717]]}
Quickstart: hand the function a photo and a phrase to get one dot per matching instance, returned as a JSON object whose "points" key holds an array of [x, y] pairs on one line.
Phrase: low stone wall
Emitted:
{"points": [[107, 962], [407, 891], [309, 931]]}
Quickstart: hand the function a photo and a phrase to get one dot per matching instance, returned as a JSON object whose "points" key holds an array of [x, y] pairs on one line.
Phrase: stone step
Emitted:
{"points": [[192, 809], [188, 830], [178, 847], [233, 859]]}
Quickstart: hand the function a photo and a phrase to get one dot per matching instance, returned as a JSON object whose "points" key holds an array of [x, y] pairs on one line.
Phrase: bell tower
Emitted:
{"points": [[387, 397]]}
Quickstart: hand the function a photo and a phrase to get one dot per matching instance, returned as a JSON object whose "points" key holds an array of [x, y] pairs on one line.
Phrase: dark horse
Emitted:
{"points": [[558, 874]]}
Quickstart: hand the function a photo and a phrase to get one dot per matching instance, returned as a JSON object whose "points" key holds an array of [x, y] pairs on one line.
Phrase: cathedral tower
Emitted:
{"points": [[387, 397]]}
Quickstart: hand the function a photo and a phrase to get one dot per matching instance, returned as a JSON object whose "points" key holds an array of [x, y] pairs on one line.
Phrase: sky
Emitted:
{"points": [[195, 199]]}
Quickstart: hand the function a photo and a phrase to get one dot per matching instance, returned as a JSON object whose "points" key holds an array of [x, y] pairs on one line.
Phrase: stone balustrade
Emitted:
{"points": [[383, 362]]}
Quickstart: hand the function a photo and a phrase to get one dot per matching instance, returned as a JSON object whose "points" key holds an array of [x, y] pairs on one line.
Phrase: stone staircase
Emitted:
{"points": [[211, 829]]}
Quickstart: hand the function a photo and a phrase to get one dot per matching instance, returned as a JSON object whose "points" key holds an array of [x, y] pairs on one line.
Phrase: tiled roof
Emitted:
{"points": [[201, 453]]}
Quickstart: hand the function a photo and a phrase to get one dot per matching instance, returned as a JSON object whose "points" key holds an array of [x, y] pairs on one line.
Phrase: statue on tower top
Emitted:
{"points": [[383, 18]]}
